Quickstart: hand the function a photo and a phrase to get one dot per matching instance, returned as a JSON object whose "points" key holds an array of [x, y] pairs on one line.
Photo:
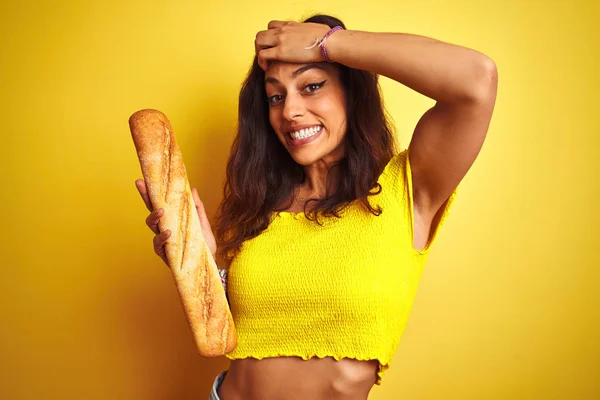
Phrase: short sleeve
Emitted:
{"points": [[440, 217], [397, 175]]}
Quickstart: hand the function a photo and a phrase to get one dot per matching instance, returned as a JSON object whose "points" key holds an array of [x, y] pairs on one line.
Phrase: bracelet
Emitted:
{"points": [[323, 51], [322, 42], [223, 275]]}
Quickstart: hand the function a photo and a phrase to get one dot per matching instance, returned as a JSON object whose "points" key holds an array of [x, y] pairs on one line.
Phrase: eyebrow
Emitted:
{"points": [[296, 72]]}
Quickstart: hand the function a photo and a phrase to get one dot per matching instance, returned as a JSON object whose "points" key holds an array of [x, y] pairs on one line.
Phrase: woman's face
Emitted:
{"points": [[307, 110]]}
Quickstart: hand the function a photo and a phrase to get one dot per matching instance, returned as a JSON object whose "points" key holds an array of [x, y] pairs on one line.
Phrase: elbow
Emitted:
{"points": [[485, 80]]}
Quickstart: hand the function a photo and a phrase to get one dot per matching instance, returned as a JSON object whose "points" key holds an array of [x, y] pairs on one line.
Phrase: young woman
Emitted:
{"points": [[325, 228]]}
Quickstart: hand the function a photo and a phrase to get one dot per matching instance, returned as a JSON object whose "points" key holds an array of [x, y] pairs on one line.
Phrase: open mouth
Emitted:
{"points": [[305, 133]]}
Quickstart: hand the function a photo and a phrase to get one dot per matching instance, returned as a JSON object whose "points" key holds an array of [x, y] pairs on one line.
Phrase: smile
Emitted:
{"points": [[305, 133], [304, 136]]}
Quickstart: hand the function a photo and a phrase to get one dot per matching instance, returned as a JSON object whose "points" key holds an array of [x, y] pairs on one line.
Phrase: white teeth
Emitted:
{"points": [[304, 133]]}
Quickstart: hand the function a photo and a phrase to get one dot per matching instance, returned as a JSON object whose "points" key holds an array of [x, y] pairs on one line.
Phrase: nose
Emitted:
{"points": [[293, 106]]}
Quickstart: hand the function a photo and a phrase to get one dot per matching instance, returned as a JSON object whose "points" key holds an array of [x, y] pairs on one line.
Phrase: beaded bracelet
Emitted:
{"points": [[223, 275], [323, 51], [322, 42]]}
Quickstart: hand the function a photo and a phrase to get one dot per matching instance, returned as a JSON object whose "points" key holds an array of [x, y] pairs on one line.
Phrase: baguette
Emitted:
{"points": [[194, 270]]}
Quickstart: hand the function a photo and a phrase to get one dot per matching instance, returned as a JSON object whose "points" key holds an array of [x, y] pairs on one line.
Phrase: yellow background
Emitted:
{"points": [[508, 305]]}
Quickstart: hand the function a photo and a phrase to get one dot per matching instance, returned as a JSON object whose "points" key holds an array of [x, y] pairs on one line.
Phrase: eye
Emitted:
{"points": [[314, 86], [310, 88], [274, 99]]}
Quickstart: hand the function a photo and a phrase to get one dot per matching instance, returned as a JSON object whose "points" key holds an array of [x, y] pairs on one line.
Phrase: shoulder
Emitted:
{"points": [[394, 174]]}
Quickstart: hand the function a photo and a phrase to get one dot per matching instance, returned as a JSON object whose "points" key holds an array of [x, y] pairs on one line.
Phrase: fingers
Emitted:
{"points": [[140, 184], [153, 218], [265, 56], [160, 240], [265, 45], [265, 40], [277, 24], [161, 237], [159, 245]]}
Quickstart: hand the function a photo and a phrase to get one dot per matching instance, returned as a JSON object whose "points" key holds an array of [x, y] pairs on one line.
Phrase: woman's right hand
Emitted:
{"points": [[161, 238]]}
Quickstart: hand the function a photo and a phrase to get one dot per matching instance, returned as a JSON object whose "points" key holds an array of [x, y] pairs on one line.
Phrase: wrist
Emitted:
{"points": [[335, 44], [323, 43]]}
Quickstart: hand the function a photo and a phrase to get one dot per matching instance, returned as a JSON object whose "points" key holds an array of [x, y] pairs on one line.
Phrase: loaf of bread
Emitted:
{"points": [[194, 270]]}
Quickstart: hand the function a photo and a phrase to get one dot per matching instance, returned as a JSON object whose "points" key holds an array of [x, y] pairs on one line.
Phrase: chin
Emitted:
{"points": [[306, 159]]}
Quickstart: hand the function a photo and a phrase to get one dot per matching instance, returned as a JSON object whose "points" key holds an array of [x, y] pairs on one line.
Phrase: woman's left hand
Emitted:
{"points": [[286, 41]]}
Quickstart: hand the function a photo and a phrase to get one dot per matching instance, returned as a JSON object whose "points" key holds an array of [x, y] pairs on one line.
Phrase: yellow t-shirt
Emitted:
{"points": [[344, 289]]}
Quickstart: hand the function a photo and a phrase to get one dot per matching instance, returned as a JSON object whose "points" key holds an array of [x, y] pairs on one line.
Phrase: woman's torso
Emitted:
{"points": [[317, 378]]}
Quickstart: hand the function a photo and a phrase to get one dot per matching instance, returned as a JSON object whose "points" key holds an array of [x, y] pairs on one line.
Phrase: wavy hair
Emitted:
{"points": [[261, 174]]}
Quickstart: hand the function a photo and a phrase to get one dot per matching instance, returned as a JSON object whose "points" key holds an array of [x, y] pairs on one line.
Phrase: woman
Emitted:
{"points": [[322, 270]]}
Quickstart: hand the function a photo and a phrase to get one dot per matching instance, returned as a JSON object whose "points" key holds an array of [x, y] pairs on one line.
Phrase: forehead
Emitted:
{"points": [[282, 71]]}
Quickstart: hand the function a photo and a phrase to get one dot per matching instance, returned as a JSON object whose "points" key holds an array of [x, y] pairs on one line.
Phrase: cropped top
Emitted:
{"points": [[343, 289]]}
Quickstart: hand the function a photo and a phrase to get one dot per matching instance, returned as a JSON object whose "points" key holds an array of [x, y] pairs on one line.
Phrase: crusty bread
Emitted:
{"points": [[194, 269]]}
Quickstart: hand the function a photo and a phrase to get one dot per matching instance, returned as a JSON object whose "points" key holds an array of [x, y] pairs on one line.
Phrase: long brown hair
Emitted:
{"points": [[261, 174]]}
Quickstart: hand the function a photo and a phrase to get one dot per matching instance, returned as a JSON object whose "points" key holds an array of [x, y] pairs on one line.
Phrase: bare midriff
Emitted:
{"points": [[288, 378]]}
